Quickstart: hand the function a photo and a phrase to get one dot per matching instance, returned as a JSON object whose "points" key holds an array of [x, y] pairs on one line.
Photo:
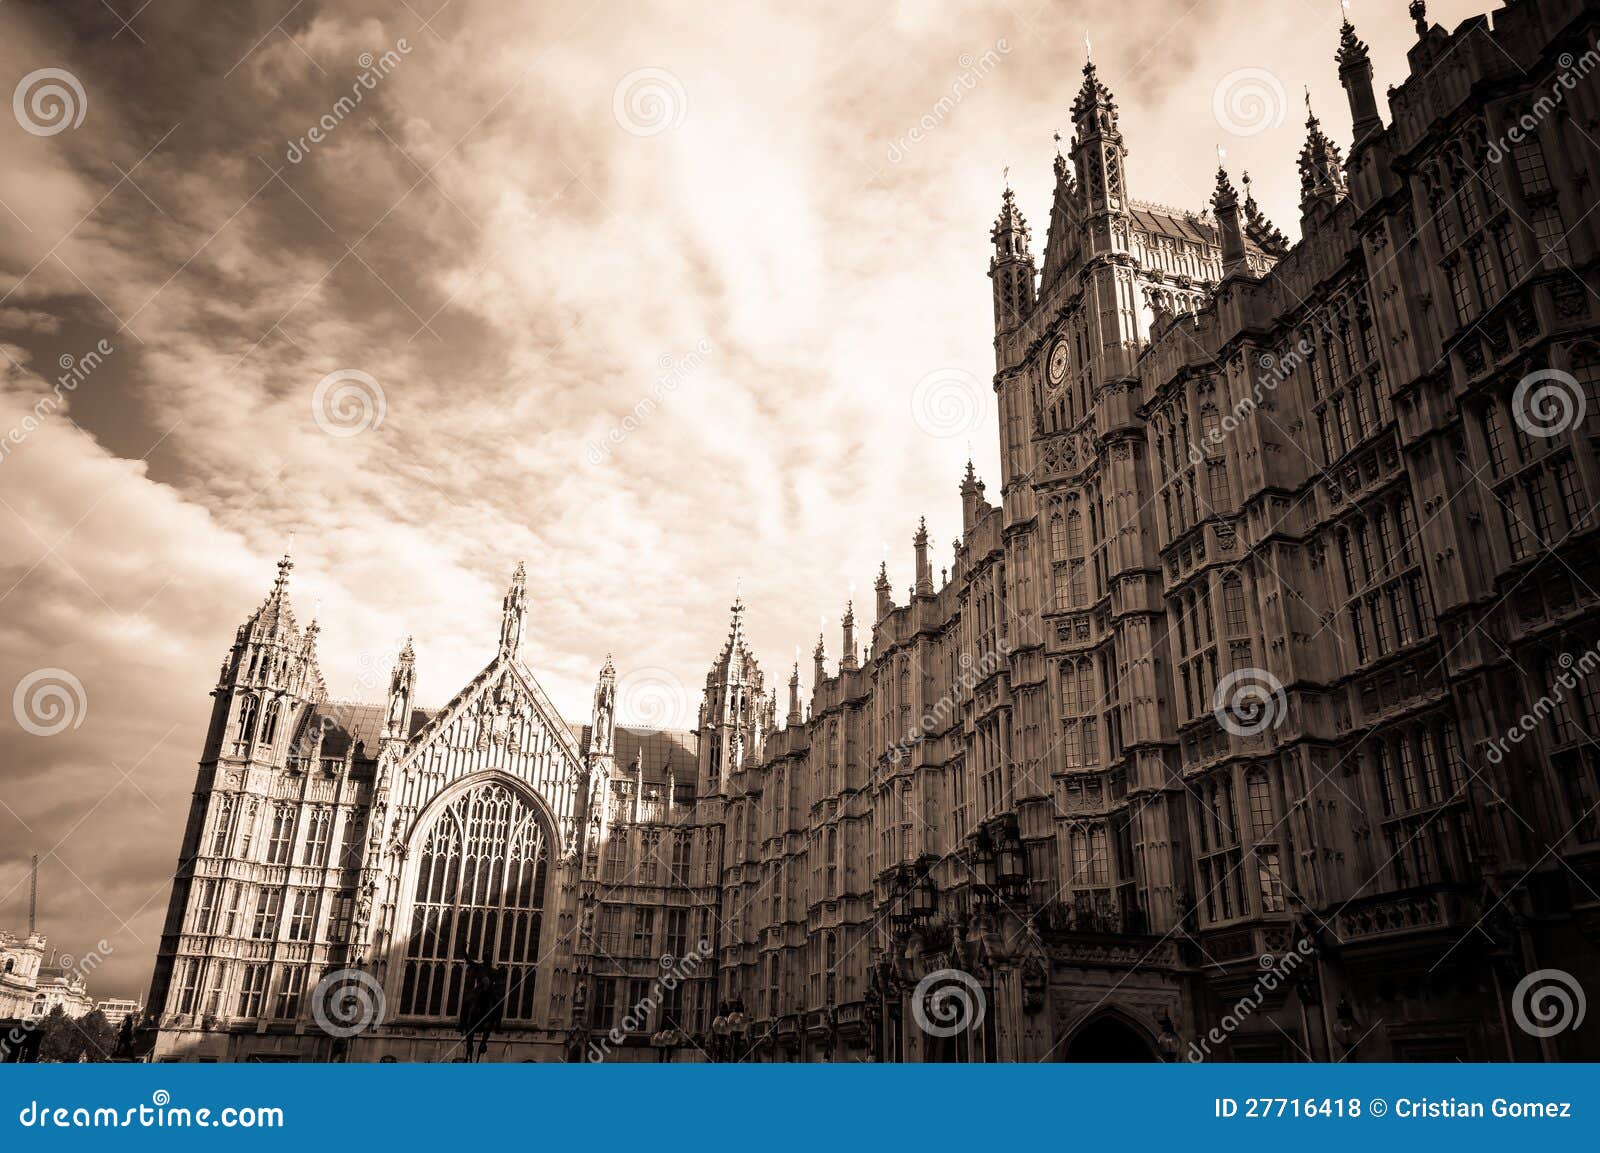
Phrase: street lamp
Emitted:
{"points": [[720, 1030], [900, 906], [666, 1040], [1011, 860], [924, 893]]}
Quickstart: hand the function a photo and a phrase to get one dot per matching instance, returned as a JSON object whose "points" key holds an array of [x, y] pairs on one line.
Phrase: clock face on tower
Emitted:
{"points": [[1058, 362]]}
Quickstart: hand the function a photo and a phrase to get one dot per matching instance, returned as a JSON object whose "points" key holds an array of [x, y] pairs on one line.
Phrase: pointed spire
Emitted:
{"points": [[885, 593], [602, 720], [1351, 47], [820, 657], [1224, 196], [1011, 265], [1010, 233], [1321, 167], [1094, 96], [971, 498], [514, 612], [847, 659], [794, 717], [1225, 203], [1355, 73], [1258, 228], [638, 784], [402, 685], [274, 619], [924, 585], [1097, 149]]}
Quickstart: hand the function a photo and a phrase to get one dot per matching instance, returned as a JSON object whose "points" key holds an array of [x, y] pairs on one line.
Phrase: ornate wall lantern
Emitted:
{"points": [[1011, 859], [924, 899]]}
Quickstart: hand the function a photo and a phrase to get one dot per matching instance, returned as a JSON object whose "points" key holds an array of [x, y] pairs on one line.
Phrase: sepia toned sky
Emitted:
{"points": [[661, 299]]}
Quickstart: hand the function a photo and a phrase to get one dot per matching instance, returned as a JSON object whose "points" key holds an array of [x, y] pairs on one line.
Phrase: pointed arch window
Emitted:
{"points": [[479, 898], [269, 720], [248, 707], [223, 825], [282, 835]]}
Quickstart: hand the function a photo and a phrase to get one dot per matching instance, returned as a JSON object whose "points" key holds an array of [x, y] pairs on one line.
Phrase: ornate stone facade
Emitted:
{"points": [[1202, 747]]}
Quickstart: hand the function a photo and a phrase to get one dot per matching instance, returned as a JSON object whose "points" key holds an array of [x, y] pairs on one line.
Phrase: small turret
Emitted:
{"points": [[924, 585], [402, 687], [1322, 182], [268, 680], [820, 659], [794, 717], [602, 724], [885, 593], [1225, 203], [971, 494], [1355, 73], [731, 710], [847, 659], [1098, 152], [1011, 266]]}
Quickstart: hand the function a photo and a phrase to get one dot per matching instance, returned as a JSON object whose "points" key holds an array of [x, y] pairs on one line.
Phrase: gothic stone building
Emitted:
{"points": [[1255, 721]]}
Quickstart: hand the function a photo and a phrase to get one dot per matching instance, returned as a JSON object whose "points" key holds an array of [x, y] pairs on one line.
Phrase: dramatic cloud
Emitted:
{"points": [[655, 299]]}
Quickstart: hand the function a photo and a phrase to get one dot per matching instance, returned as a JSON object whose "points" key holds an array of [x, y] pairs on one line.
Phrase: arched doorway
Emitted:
{"points": [[1109, 1038], [481, 877]]}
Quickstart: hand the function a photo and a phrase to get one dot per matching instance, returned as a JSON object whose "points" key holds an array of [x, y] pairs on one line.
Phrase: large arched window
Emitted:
{"points": [[479, 898]]}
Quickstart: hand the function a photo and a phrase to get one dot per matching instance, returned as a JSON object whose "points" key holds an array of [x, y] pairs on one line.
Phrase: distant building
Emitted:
{"points": [[116, 1009], [32, 984]]}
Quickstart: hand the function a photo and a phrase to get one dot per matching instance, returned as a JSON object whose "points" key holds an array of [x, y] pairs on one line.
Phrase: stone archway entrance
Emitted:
{"points": [[1109, 1038]]}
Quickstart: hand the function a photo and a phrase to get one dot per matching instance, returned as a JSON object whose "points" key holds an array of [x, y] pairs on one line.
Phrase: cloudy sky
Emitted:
{"points": [[415, 339]]}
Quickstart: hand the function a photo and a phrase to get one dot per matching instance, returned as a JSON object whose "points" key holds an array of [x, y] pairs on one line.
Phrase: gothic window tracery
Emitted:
{"points": [[479, 898]]}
